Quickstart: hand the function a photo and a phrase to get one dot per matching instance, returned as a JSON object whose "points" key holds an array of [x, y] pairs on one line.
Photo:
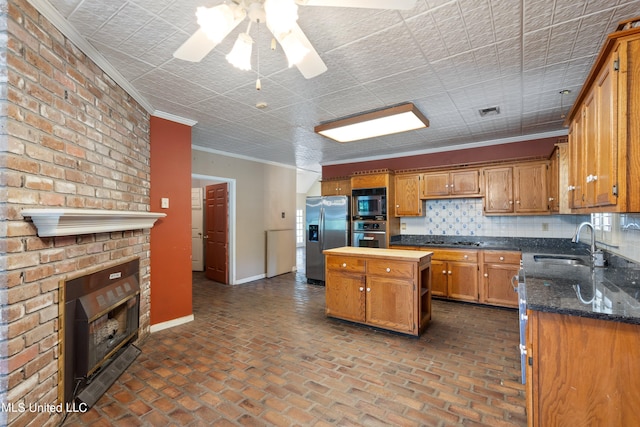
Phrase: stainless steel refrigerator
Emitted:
{"points": [[327, 226]]}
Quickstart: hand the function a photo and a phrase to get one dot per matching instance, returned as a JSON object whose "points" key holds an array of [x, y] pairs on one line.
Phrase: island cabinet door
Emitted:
{"points": [[390, 304], [345, 295]]}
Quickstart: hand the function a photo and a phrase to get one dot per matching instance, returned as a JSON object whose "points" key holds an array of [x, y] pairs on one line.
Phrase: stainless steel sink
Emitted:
{"points": [[560, 259]]}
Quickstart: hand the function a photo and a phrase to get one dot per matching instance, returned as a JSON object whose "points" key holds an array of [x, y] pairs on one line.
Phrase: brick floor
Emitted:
{"points": [[263, 353]]}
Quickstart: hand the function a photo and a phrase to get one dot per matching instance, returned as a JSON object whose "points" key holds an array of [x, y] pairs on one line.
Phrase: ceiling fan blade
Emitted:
{"points": [[195, 48], [311, 65], [368, 4], [199, 45]]}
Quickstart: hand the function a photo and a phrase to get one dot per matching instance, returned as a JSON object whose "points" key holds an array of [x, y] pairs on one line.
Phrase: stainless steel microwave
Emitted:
{"points": [[369, 203]]}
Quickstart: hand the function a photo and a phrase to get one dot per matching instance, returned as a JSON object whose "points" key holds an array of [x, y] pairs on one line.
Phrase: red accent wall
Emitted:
{"points": [[516, 150], [171, 236]]}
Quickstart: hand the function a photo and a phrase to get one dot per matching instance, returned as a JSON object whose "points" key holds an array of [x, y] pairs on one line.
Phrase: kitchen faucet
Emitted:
{"points": [[576, 237]]}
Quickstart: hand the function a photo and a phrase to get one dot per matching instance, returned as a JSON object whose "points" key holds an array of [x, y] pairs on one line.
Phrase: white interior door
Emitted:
{"points": [[197, 224]]}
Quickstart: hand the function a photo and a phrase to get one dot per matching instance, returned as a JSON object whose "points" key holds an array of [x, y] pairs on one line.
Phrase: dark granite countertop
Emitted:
{"points": [[610, 293], [522, 244]]}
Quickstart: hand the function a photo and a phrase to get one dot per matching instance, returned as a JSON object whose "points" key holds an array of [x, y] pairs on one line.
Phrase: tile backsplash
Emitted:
{"points": [[463, 217]]}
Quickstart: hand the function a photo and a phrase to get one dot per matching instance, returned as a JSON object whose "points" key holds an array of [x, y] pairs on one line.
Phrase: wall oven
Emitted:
{"points": [[369, 203], [369, 234]]}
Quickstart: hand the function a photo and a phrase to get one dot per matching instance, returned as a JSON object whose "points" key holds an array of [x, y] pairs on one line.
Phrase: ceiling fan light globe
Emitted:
{"points": [[240, 55], [281, 15], [215, 21], [293, 49]]}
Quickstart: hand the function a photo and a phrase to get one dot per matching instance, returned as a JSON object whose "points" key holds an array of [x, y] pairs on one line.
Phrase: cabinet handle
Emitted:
{"points": [[368, 289], [551, 199], [486, 274], [449, 271], [466, 257], [361, 289], [446, 186], [444, 271], [571, 188], [388, 269], [397, 206], [518, 201], [344, 264], [510, 202], [501, 258]]}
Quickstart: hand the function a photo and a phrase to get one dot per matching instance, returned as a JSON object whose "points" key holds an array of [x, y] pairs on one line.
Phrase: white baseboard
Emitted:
{"points": [[250, 279], [171, 323]]}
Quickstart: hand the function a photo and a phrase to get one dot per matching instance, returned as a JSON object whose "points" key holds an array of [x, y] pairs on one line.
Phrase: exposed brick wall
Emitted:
{"points": [[69, 137]]}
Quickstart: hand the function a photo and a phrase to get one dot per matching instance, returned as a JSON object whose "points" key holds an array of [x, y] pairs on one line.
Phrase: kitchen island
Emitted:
{"points": [[385, 288]]}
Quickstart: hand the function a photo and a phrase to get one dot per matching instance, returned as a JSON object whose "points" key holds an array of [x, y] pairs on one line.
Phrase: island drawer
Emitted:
{"points": [[346, 263], [389, 268], [501, 257]]}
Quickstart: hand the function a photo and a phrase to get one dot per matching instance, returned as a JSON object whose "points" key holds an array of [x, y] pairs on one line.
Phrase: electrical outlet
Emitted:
{"points": [[545, 226], [403, 226], [282, 214]]}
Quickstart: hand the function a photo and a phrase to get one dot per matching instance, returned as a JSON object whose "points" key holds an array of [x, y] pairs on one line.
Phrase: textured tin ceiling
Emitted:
{"points": [[450, 58]]}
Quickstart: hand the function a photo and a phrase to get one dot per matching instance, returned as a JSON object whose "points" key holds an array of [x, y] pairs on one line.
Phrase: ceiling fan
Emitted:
{"points": [[281, 18]]}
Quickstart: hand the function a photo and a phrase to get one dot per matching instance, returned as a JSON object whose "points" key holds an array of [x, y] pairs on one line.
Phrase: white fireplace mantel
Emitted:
{"points": [[68, 222]]}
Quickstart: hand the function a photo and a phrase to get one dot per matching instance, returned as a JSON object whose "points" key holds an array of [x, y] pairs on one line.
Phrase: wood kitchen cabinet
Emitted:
{"points": [[581, 371], [559, 179], [604, 128], [384, 288], [407, 197], [499, 268], [446, 184], [336, 187], [521, 189], [454, 274]]}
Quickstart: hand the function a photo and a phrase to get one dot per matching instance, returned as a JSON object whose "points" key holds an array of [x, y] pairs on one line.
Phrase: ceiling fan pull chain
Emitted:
{"points": [[258, 83]]}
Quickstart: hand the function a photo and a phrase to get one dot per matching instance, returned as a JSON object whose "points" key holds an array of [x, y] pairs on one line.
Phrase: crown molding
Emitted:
{"points": [[174, 118], [61, 23]]}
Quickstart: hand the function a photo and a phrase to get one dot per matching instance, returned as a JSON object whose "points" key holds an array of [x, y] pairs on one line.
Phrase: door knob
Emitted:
{"points": [[206, 236]]}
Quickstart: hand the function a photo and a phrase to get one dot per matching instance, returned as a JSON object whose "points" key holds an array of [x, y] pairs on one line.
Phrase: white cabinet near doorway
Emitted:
{"points": [[197, 246]]}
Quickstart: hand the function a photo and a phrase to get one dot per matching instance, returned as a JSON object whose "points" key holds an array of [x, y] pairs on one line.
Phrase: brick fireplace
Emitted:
{"points": [[75, 139], [99, 319]]}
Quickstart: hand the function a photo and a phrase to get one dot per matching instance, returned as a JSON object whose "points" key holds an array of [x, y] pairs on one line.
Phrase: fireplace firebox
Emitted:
{"points": [[99, 321]]}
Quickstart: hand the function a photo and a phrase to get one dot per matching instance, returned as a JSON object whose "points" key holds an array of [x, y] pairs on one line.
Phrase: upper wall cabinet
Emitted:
{"points": [[407, 200], [521, 189], [559, 180], [336, 187], [446, 184], [604, 129]]}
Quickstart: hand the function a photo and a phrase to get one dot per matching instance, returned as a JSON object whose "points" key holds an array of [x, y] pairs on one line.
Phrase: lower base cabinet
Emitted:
{"points": [[499, 278], [381, 288], [581, 371]]}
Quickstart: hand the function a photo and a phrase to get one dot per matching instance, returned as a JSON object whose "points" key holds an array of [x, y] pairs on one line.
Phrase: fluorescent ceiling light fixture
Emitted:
{"points": [[396, 119]]}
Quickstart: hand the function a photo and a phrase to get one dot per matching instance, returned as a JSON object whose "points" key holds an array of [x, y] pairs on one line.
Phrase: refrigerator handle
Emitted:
{"points": [[321, 230]]}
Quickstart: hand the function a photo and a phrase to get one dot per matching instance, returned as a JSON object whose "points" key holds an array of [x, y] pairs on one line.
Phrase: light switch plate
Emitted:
{"points": [[164, 203]]}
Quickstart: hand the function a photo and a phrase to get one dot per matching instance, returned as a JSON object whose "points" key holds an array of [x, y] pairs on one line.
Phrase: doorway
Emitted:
{"points": [[202, 181]]}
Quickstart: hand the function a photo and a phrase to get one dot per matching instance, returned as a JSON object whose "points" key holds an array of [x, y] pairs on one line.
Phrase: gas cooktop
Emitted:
{"points": [[451, 243]]}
